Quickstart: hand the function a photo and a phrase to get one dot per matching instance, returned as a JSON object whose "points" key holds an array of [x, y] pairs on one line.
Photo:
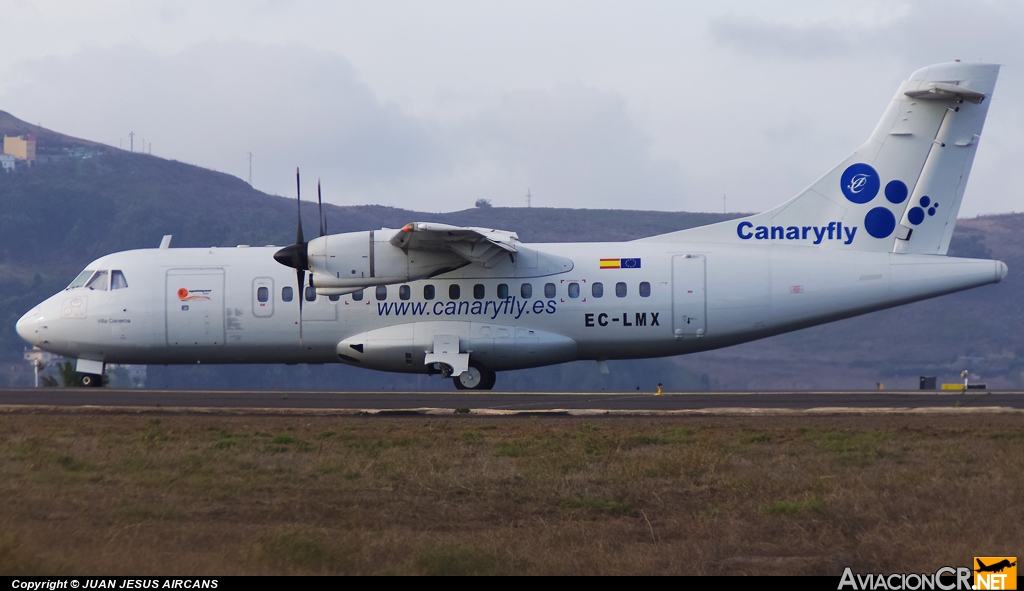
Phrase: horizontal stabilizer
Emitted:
{"points": [[944, 91]]}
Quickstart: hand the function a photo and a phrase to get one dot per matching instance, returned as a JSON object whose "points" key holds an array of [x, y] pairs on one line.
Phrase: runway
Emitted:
{"points": [[501, 402]]}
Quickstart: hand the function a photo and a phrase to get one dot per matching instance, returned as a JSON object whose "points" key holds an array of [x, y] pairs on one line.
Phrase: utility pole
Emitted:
{"points": [[529, 198], [131, 136], [250, 168], [724, 209]]}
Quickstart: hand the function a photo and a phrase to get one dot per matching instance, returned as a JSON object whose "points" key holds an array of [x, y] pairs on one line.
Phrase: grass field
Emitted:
{"points": [[178, 494]]}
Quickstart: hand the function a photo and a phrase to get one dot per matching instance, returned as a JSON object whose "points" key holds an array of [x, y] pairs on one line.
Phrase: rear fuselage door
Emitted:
{"points": [[689, 302], [195, 307]]}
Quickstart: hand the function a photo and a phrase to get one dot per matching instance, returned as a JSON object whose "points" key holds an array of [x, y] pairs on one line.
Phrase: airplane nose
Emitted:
{"points": [[28, 326]]}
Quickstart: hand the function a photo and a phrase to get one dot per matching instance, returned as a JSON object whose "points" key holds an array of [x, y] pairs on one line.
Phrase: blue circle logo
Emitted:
{"points": [[880, 222], [860, 183], [916, 214], [896, 192]]}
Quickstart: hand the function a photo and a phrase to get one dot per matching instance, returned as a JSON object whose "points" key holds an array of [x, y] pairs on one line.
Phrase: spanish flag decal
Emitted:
{"points": [[620, 263]]}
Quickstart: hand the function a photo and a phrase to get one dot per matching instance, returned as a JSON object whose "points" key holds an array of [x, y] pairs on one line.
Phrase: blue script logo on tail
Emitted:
{"points": [[860, 183]]}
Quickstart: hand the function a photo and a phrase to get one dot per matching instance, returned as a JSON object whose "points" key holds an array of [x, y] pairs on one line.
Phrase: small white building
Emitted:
{"points": [[6, 162]]}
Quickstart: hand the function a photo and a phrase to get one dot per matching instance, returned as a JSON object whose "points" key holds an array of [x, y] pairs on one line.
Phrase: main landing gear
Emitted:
{"points": [[477, 377]]}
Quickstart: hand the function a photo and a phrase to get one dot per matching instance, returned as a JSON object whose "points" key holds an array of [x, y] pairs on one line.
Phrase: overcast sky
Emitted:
{"points": [[432, 105]]}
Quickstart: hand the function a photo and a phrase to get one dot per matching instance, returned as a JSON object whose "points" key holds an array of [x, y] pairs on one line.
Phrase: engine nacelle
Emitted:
{"points": [[360, 259]]}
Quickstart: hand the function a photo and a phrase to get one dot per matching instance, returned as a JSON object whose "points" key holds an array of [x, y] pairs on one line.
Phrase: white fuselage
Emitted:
{"points": [[226, 305]]}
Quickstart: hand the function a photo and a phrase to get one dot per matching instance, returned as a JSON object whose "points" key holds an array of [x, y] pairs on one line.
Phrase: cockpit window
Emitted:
{"points": [[98, 281], [81, 279], [117, 280]]}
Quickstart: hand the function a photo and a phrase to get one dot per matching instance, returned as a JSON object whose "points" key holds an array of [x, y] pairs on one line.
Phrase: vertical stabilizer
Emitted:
{"points": [[900, 191], [961, 91]]}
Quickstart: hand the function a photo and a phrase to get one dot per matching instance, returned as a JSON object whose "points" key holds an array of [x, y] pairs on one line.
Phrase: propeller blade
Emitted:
{"points": [[298, 195], [299, 253], [320, 202], [300, 274], [296, 255]]}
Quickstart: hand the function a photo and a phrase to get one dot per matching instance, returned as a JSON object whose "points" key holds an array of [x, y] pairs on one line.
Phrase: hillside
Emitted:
{"points": [[58, 216]]}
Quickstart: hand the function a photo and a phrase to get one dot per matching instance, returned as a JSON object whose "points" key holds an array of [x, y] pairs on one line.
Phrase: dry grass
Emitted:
{"points": [[177, 494]]}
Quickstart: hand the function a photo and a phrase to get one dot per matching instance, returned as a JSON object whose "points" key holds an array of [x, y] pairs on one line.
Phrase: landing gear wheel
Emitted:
{"points": [[490, 378], [90, 380], [476, 377]]}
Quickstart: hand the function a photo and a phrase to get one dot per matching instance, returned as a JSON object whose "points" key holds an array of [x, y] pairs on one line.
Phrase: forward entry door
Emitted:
{"points": [[689, 300], [195, 307]]}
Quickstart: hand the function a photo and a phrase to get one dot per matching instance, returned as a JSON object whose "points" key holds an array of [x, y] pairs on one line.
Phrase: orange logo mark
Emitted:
{"points": [[183, 296], [995, 572]]}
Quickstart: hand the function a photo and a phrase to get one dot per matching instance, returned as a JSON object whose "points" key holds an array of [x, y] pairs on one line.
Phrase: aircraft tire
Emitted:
{"points": [[488, 380], [90, 380], [477, 378]]}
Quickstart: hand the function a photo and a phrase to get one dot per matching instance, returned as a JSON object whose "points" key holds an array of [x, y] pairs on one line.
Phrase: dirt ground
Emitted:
{"points": [[161, 494]]}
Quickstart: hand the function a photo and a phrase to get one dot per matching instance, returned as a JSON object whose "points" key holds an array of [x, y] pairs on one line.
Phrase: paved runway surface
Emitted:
{"points": [[624, 401]]}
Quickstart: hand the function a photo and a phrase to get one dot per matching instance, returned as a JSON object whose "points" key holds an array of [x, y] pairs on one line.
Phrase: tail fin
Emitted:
{"points": [[900, 191]]}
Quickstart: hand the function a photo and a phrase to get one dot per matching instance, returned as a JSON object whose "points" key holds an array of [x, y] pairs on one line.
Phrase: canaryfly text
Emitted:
{"points": [[833, 231]]}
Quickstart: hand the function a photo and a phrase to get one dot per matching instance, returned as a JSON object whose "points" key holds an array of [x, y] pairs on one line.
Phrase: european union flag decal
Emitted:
{"points": [[630, 263]]}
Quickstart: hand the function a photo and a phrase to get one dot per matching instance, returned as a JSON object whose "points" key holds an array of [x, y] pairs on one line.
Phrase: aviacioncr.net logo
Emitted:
{"points": [[946, 578]]}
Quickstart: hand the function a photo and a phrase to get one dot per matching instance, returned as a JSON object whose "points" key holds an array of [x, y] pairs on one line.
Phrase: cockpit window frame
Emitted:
{"points": [[114, 283], [81, 279], [101, 279]]}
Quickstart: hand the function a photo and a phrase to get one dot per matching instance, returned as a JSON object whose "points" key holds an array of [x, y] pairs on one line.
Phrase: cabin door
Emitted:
{"points": [[195, 307], [689, 300]]}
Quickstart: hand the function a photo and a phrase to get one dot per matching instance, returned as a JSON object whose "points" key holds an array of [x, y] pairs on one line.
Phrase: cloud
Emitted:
{"points": [[291, 105], [818, 41]]}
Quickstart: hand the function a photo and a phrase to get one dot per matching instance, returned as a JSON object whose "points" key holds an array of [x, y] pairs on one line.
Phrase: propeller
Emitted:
{"points": [[296, 255], [320, 203]]}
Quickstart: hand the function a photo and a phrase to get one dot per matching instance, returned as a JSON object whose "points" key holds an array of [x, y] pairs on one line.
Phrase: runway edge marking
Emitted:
{"points": [[484, 412]]}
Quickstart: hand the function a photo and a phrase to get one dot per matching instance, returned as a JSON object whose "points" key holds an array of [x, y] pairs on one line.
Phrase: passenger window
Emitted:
{"points": [[357, 296], [645, 290], [98, 281], [478, 291], [549, 290], [597, 290], [526, 290], [428, 292], [262, 294], [334, 298], [620, 290], [310, 293], [574, 290], [81, 279], [117, 280], [381, 292], [404, 292], [287, 293], [502, 291], [453, 291]]}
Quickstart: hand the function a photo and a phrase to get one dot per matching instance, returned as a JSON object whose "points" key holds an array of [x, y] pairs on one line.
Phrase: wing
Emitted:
{"points": [[483, 246]]}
